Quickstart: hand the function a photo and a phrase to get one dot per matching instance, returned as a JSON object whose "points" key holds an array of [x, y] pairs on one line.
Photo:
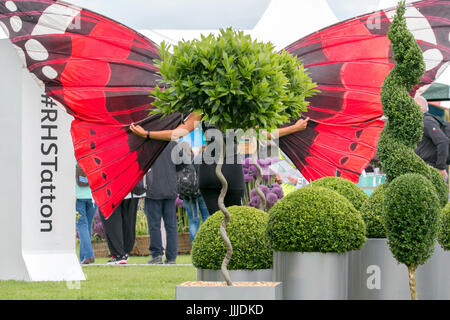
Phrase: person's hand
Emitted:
{"points": [[301, 124], [278, 179], [444, 174], [293, 180], [138, 130]]}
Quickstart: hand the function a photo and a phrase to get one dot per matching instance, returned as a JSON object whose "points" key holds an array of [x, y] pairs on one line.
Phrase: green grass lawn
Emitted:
{"points": [[109, 283]]}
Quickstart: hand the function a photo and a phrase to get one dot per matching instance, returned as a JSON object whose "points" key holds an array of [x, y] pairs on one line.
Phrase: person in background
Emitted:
{"points": [[433, 148], [86, 208], [188, 189], [160, 203], [120, 227]]}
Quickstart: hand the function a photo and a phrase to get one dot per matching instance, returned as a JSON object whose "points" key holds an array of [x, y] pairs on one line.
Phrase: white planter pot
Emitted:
{"points": [[374, 274], [311, 275], [236, 292], [433, 278], [235, 275]]}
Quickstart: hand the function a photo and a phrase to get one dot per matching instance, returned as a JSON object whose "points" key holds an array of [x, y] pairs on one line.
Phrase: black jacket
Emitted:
{"points": [[434, 146], [162, 176]]}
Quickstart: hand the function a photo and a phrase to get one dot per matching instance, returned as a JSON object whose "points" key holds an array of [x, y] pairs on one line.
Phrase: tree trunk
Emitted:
{"points": [[263, 204], [412, 282], [223, 226]]}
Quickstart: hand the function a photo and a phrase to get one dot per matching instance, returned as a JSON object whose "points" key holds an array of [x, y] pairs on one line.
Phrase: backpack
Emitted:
{"points": [[82, 180], [140, 188], [188, 183]]}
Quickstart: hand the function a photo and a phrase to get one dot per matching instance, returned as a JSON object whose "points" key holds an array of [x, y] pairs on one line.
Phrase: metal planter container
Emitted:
{"points": [[374, 274], [433, 278], [237, 292], [311, 275], [235, 275]]}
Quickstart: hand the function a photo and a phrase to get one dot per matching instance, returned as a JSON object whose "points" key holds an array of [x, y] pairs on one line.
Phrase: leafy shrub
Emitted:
{"points": [[247, 233], [411, 213], [344, 187], [315, 220], [444, 228], [234, 81], [372, 213]]}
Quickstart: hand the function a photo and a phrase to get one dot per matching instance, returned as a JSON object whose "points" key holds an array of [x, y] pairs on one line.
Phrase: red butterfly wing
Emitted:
{"points": [[101, 72], [349, 62]]}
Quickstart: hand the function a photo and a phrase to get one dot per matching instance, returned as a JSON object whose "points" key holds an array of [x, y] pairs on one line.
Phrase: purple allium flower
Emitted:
{"points": [[253, 168], [271, 199], [278, 191], [245, 170], [264, 189], [179, 203], [266, 177], [247, 162], [253, 193], [248, 177], [275, 185], [255, 201]]}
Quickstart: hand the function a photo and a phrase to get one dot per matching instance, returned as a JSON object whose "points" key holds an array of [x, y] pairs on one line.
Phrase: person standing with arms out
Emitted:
{"points": [[209, 183], [86, 208], [160, 203], [434, 146]]}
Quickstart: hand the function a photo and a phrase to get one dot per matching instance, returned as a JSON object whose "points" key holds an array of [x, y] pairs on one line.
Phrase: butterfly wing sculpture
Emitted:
{"points": [[101, 72], [349, 62]]}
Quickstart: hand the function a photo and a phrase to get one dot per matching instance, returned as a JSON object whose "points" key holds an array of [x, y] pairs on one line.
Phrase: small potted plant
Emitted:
{"points": [[311, 232], [252, 258]]}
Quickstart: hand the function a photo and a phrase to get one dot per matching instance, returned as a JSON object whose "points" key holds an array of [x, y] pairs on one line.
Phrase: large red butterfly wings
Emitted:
{"points": [[101, 72], [349, 61]]}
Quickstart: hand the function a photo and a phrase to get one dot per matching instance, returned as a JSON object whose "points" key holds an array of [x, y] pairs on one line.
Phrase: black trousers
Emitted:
{"points": [[211, 196], [120, 228]]}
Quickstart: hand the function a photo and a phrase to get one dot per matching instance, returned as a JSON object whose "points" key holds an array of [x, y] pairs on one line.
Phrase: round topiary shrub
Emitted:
{"points": [[247, 233], [444, 228], [372, 213], [344, 187], [411, 213], [315, 220]]}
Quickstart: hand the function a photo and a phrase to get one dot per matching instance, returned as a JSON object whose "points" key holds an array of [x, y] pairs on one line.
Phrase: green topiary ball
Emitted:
{"points": [[444, 228], [315, 220], [247, 233], [372, 213], [411, 213], [344, 187]]}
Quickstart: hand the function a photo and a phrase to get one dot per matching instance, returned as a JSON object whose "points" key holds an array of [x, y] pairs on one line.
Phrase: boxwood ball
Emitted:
{"points": [[247, 233], [344, 187], [315, 220]]}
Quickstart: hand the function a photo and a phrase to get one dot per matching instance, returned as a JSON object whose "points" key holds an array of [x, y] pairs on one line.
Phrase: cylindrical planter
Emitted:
{"points": [[433, 278], [374, 274], [311, 275], [235, 275]]}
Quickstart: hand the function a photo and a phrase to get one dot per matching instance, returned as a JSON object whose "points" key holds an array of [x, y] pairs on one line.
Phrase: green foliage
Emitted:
{"points": [[236, 82], [247, 233], [372, 213], [315, 220], [344, 187], [444, 228], [411, 213], [439, 184]]}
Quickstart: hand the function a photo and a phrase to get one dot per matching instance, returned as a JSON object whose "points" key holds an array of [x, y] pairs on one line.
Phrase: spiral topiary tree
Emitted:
{"points": [[235, 83], [405, 171], [444, 228]]}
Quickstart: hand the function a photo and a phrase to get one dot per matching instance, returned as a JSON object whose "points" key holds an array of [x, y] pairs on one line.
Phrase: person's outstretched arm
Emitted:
{"points": [[300, 125], [168, 135]]}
